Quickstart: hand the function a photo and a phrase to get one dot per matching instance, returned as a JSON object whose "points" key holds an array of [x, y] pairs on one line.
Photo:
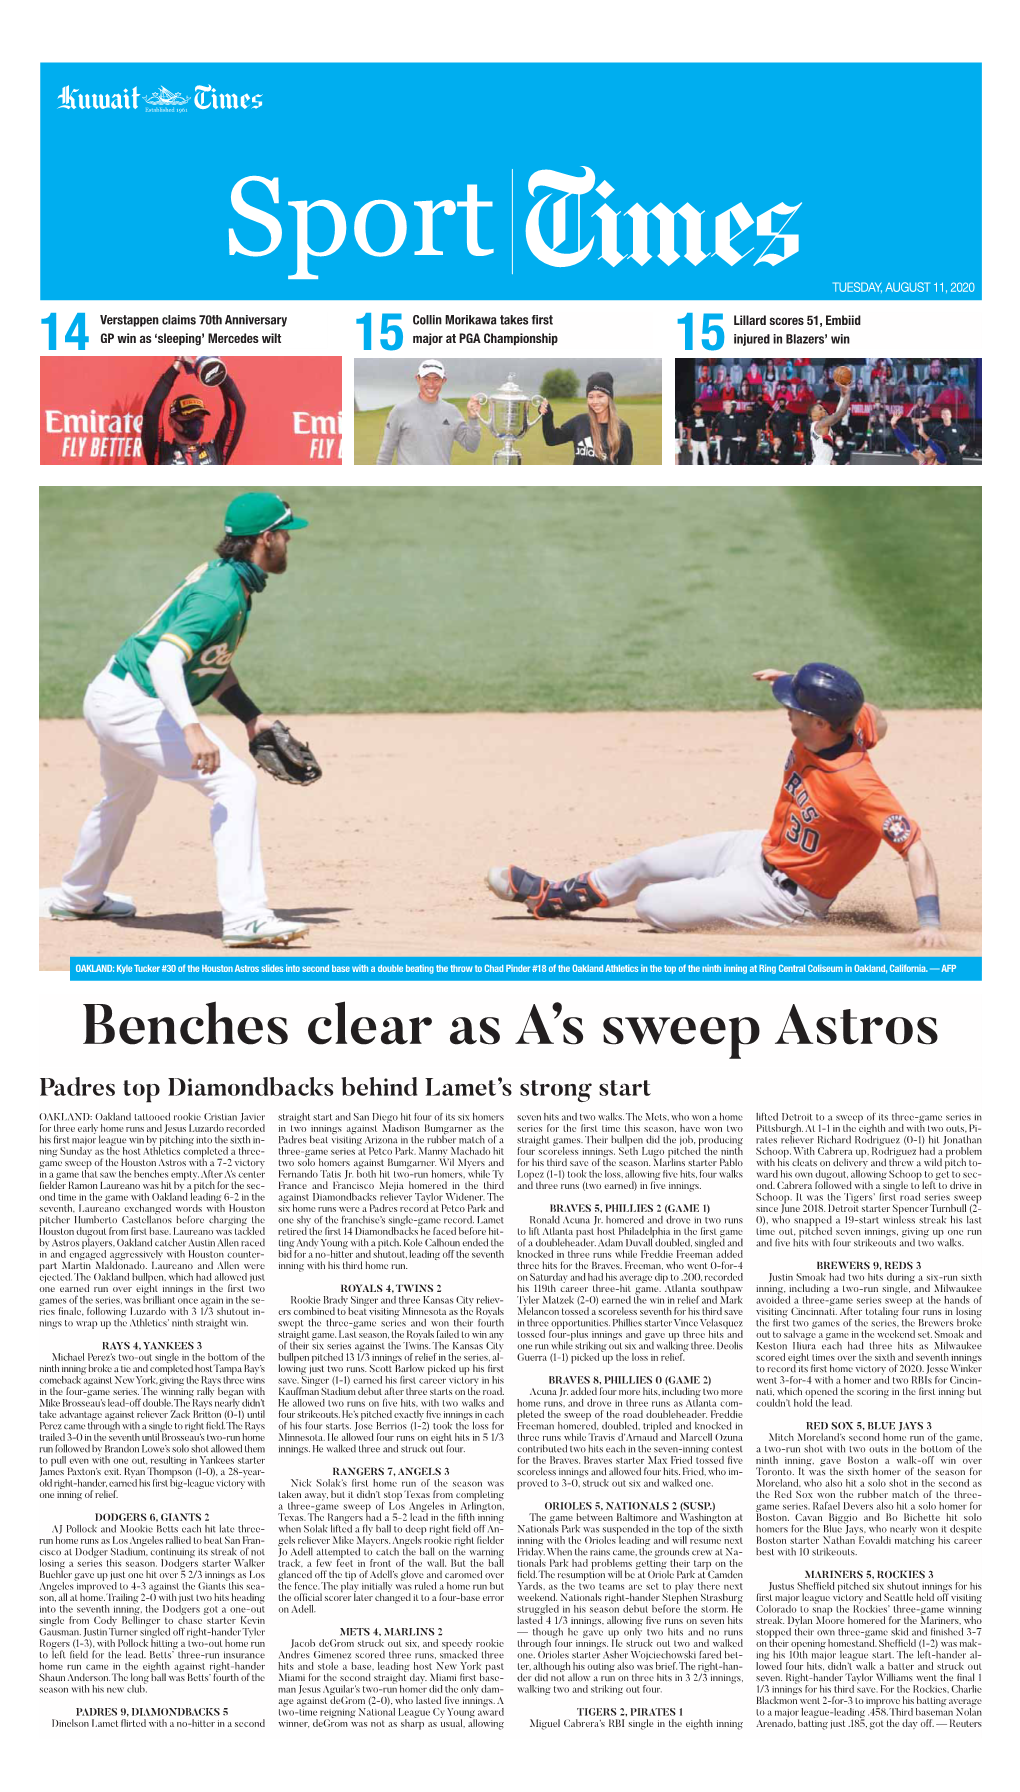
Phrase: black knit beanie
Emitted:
{"points": [[604, 382]]}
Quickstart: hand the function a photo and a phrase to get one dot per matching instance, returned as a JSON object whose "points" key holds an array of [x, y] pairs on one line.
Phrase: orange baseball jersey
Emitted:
{"points": [[833, 814]]}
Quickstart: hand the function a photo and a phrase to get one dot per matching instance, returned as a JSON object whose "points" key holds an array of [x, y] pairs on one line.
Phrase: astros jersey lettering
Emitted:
{"points": [[833, 814], [205, 617]]}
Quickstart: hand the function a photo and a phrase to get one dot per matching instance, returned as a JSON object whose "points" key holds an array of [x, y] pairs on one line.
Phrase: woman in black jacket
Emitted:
{"points": [[600, 436]]}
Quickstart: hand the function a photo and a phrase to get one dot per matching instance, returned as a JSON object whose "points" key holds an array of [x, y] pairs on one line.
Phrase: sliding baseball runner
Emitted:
{"points": [[832, 815]]}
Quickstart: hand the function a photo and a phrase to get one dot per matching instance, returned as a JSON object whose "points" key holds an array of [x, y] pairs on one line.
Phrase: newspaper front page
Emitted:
{"points": [[518, 1254]]}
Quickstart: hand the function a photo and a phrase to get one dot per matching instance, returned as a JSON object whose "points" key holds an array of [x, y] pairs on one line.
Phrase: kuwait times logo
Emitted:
{"points": [[162, 99]]}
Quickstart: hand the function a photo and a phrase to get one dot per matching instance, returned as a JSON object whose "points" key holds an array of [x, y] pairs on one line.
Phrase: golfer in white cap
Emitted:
{"points": [[423, 430]]}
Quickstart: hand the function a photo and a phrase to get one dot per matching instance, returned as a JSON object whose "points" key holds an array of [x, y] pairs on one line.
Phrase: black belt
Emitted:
{"points": [[779, 877]]}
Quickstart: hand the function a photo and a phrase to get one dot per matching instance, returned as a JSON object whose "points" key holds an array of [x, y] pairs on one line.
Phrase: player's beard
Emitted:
{"points": [[276, 555]]}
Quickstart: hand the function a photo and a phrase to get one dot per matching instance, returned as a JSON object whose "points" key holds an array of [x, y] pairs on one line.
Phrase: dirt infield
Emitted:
{"points": [[388, 853]]}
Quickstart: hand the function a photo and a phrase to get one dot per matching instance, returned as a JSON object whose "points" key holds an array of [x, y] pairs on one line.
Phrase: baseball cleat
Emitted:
{"points": [[558, 900], [511, 884], [270, 932], [107, 910]]}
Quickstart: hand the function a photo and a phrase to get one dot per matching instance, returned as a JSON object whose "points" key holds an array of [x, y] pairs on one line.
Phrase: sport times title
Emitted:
{"points": [[549, 1026], [563, 212]]}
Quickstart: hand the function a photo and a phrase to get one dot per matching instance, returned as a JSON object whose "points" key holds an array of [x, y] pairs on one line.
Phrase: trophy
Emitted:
{"points": [[508, 420], [210, 369]]}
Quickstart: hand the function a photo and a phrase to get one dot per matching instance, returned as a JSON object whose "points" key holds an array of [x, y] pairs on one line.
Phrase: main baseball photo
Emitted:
{"points": [[509, 722]]}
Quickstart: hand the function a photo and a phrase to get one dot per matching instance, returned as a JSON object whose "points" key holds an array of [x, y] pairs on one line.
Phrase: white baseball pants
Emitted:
{"points": [[699, 452], [139, 743], [707, 880]]}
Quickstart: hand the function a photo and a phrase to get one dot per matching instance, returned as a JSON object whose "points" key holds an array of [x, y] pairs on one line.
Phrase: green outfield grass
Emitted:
{"points": [[643, 414], [568, 598]]}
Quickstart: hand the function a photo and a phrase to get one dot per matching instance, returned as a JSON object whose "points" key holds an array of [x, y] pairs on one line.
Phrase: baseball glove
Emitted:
{"points": [[278, 753]]}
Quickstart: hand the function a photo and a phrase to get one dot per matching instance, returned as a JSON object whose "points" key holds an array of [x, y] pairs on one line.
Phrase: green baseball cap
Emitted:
{"points": [[254, 512]]}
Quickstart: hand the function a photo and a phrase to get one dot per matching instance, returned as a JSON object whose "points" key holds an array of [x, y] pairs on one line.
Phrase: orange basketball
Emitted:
{"points": [[844, 376]]}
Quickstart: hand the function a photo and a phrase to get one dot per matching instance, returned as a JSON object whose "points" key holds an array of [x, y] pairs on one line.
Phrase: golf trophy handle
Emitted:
{"points": [[537, 400]]}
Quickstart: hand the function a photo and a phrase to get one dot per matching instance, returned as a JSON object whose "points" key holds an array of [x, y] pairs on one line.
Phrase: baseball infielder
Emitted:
{"points": [[822, 423], [832, 815], [141, 710]]}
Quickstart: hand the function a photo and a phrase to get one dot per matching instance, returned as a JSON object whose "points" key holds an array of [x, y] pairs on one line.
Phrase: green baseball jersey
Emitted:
{"points": [[205, 617]]}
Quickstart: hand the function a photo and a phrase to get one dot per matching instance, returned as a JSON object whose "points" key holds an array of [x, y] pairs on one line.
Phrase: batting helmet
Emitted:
{"points": [[821, 690]]}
